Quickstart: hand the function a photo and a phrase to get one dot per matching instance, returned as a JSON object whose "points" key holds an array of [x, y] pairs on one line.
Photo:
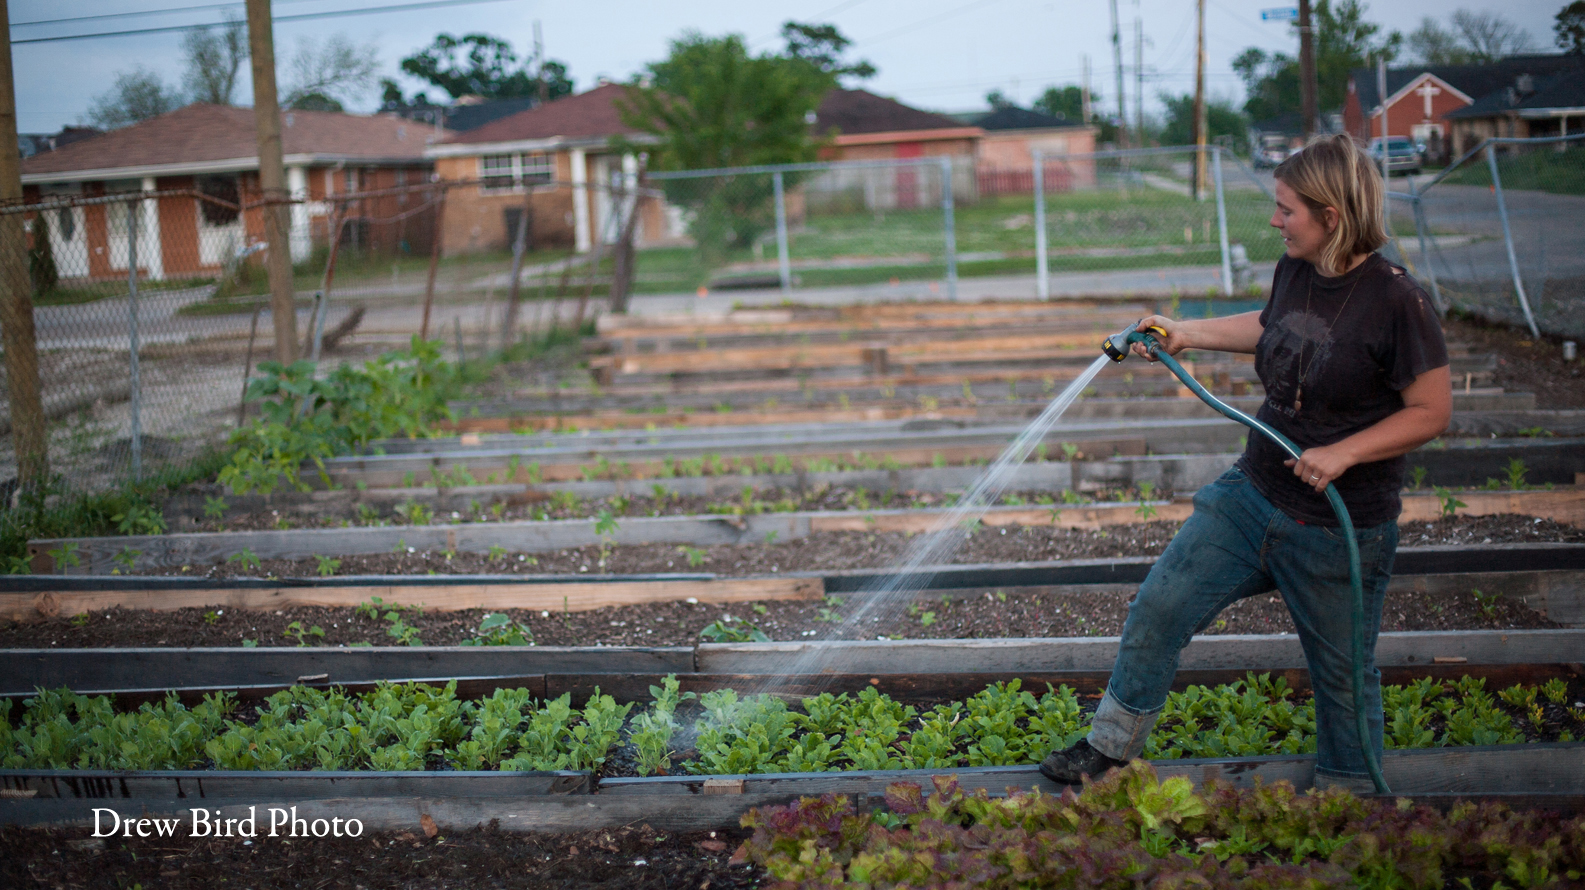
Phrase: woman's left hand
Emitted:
{"points": [[1320, 467]]}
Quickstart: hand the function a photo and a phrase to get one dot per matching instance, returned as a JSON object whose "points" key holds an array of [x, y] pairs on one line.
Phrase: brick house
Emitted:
{"points": [[1013, 135], [212, 149], [861, 126], [1532, 106], [568, 142], [1421, 101]]}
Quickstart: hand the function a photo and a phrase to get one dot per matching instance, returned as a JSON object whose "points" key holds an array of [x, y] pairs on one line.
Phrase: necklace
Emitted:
{"points": [[1304, 366]]}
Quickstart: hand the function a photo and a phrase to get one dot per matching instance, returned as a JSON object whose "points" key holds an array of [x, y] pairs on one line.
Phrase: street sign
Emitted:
{"points": [[1280, 14]]}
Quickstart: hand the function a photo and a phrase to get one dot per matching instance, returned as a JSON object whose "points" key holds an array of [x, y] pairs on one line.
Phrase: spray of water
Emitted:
{"points": [[893, 590]]}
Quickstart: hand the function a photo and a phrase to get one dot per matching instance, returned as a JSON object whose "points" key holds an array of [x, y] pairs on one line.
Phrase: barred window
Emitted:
{"points": [[538, 168], [496, 171]]}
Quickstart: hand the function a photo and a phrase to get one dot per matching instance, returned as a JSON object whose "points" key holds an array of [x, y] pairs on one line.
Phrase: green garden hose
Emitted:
{"points": [[1116, 347]]}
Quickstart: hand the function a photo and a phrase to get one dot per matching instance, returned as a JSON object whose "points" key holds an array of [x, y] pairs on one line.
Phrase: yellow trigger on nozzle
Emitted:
{"points": [[1156, 329]]}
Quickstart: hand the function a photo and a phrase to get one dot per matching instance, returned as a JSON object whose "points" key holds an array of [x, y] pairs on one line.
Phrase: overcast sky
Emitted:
{"points": [[937, 54]]}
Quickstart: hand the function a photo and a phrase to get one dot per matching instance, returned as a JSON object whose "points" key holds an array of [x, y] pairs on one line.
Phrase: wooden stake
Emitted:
{"points": [[16, 296], [272, 181]]}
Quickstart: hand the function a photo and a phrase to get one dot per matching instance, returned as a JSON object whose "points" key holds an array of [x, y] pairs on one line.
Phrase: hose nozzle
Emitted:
{"points": [[1116, 347]]}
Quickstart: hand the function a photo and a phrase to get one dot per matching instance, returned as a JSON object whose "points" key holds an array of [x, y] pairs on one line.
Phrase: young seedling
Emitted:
{"points": [[245, 560], [1450, 502], [214, 507], [327, 566], [126, 560], [296, 631], [1516, 471], [497, 553], [1486, 603], [1417, 477], [694, 555]]}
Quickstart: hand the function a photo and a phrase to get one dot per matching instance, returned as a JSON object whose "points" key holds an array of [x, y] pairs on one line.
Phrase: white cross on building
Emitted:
{"points": [[1428, 91]]}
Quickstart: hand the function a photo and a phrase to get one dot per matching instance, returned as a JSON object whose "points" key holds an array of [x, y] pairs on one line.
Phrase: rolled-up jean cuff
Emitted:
{"points": [[1119, 731], [1358, 783]]}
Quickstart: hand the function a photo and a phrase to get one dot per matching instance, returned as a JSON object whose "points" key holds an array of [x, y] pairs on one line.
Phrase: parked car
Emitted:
{"points": [[1272, 151], [1402, 155]]}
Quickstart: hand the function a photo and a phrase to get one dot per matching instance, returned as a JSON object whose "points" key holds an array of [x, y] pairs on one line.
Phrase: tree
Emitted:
{"points": [[320, 76], [998, 100], [213, 59], [137, 95], [481, 65], [823, 45], [41, 257], [1489, 36], [1570, 28], [711, 104], [1221, 119], [1067, 102], [1344, 40], [1433, 44]]}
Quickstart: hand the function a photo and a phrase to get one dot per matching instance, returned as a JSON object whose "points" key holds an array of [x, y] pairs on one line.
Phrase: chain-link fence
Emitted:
{"points": [[1500, 233]]}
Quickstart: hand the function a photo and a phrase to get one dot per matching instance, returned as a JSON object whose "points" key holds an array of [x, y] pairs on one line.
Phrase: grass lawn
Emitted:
{"points": [[1540, 169]]}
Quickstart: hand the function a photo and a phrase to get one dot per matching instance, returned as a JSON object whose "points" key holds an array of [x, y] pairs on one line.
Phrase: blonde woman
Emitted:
{"points": [[1351, 355]]}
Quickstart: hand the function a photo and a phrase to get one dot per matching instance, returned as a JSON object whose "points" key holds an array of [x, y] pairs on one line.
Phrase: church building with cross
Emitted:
{"points": [[1440, 107]]}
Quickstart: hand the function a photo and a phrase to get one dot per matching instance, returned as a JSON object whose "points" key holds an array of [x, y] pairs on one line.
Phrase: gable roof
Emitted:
{"points": [[1011, 117], [461, 118], [590, 116], [202, 138], [852, 112], [1474, 81], [1563, 91]]}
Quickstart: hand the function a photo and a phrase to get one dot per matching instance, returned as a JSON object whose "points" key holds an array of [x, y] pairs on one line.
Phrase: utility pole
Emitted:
{"points": [[272, 181], [1084, 93], [539, 63], [1381, 96], [1200, 139], [1308, 103], [1139, 77], [16, 295], [1117, 62]]}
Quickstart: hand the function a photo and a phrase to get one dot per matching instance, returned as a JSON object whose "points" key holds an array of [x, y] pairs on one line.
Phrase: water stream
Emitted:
{"points": [[893, 591]]}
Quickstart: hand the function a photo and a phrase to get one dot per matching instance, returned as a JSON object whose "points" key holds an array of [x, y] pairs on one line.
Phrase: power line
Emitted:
{"points": [[429, 4], [124, 15], [923, 22], [840, 7]]}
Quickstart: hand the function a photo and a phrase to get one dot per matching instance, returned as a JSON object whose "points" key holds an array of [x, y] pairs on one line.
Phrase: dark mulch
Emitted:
{"points": [[1525, 364], [1019, 612], [629, 858]]}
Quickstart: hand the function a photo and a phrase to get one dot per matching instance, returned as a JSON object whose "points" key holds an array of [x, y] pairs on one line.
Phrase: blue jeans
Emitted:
{"points": [[1237, 545]]}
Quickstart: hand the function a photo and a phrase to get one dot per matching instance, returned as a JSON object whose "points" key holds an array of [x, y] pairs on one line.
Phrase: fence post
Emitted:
{"points": [[1221, 220], [434, 263], [949, 227], [1507, 237], [1042, 268], [519, 248], [1425, 254], [783, 260], [134, 210]]}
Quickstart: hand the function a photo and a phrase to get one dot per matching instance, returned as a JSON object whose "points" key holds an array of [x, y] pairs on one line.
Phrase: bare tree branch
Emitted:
{"points": [[324, 76], [213, 60]]}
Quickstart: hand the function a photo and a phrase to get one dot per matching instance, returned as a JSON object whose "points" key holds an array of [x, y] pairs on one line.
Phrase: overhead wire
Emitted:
{"points": [[363, 10], [142, 12], [897, 32]]}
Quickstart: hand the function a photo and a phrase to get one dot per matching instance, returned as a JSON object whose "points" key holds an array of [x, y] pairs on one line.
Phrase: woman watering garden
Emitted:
{"points": [[1350, 353]]}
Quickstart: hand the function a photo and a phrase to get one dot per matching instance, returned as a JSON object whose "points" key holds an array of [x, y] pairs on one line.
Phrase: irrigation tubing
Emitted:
{"points": [[1372, 762]]}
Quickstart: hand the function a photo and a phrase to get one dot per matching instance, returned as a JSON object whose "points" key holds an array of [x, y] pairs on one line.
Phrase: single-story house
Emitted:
{"points": [[1422, 100], [212, 149], [568, 141], [1532, 106], [1013, 135], [861, 126]]}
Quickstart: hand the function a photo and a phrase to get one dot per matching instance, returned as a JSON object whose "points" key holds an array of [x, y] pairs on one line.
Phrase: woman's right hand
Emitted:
{"points": [[1174, 341]]}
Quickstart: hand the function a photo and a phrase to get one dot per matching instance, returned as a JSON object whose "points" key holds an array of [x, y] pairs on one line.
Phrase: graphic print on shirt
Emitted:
{"points": [[1301, 345]]}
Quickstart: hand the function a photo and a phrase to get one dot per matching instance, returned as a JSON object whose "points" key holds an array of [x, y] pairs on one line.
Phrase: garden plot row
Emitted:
{"points": [[108, 555], [776, 451], [1543, 776], [1544, 577], [1475, 414]]}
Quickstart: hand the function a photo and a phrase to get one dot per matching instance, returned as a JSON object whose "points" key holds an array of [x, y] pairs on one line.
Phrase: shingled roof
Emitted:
{"points": [[1011, 117], [588, 115], [1475, 81], [851, 112], [215, 138]]}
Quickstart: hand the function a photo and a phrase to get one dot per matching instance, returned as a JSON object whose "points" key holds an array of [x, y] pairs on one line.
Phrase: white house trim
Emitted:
{"points": [[1408, 88], [151, 248], [580, 202], [200, 168]]}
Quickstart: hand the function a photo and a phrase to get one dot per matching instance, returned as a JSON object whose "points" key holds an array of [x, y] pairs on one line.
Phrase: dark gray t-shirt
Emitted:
{"points": [[1359, 339]]}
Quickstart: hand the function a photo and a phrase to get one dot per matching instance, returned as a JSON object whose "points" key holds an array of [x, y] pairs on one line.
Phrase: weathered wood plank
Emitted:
{"points": [[1515, 769], [566, 596], [1222, 651], [273, 785]]}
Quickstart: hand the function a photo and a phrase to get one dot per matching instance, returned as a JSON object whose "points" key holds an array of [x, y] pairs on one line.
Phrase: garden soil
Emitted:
{"points": [[628, 858], [959, 614]]}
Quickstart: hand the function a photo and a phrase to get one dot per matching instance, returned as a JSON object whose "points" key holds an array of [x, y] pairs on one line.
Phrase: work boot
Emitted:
{"points": [[1071, 765]]}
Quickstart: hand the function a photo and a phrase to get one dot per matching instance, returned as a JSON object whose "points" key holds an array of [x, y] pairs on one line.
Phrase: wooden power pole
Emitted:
{"points": [[1200, 136], [16, 294], [1308, 102], [272, 181], [1117, 63]]}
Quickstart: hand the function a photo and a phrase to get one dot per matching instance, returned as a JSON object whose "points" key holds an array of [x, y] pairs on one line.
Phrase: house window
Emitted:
{"points": [[496, 171], [509, 172]]}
